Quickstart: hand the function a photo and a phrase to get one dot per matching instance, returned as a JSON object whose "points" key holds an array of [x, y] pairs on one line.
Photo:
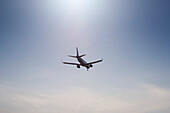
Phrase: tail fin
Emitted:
{"points": [[77, 51]]}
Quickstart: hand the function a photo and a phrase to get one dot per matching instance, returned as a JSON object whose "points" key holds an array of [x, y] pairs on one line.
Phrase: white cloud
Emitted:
{"points": [[144, 99]]}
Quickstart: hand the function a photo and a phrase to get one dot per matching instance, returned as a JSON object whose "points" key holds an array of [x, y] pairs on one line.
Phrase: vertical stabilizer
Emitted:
{"points": [[77, 51]]}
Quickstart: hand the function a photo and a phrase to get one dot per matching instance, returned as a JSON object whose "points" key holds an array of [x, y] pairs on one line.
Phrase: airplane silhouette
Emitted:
{"points": [[81, 61]]}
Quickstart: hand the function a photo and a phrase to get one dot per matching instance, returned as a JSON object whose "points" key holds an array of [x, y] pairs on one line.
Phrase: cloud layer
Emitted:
{"points": [[144, 99]]}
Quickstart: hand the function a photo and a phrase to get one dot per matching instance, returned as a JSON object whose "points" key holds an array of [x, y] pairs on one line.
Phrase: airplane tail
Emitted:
{"points": [[77, 52]]}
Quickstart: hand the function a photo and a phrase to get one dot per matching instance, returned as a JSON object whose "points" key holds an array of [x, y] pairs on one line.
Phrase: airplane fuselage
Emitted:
{"points": [[83, 62]]}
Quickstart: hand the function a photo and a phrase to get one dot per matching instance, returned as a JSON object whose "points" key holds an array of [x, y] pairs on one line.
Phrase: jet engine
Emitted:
{"points": [[78, 66], [91, 65]]}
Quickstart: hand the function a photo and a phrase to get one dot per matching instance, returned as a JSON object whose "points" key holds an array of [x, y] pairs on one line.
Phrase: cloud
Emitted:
{"points": [[146, 98]]}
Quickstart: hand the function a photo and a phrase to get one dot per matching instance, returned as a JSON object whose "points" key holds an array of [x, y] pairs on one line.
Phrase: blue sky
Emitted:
{"points": [[132, 36]]}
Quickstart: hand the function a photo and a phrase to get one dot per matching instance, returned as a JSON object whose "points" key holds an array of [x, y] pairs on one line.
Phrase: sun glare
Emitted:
{"points": [[75, 7], [74, 17]]}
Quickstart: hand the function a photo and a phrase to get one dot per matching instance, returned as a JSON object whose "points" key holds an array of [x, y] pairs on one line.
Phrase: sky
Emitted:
{"points": [[132, 37]]}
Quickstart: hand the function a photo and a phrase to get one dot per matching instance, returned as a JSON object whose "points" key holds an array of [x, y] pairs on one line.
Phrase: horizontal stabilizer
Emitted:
{"points": [[72, 56], [83, 55]]}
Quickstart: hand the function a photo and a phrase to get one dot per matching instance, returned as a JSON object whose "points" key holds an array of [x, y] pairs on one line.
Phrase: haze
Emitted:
{"points": [[132, 36]]}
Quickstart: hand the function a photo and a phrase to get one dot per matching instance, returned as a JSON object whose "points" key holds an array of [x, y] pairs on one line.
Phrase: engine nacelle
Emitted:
{"points": [[78, 66], [91, 65]]}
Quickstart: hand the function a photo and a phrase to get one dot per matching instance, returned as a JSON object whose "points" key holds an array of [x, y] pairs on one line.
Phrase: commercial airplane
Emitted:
{"points": [[81, 61]]}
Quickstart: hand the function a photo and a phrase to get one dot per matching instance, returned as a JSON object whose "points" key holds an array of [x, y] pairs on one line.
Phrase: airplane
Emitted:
{"points": [[81, 61]]}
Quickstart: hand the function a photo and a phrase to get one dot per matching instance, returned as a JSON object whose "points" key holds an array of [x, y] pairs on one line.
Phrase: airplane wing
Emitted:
{"points": [[71, 63], [95, 61]]}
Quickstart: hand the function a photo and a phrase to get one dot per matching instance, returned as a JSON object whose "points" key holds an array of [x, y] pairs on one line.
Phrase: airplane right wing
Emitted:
{"points": [[71, 63], [95, 61]]}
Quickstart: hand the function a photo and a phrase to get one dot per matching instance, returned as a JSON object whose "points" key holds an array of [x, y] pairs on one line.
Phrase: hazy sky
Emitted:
{"points": [[132, 36]]}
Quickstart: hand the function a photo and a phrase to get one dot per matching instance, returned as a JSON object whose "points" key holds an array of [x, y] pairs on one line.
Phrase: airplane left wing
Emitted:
{"points": [[71, 63], [95, 61]]}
